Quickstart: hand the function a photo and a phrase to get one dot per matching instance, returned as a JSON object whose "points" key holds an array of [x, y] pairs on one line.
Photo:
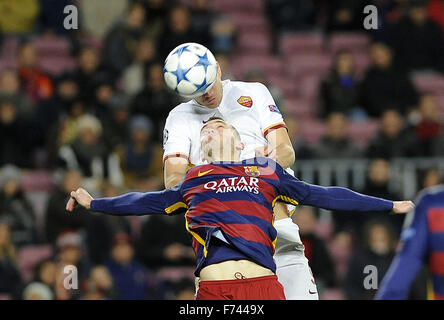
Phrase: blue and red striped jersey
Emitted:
{"points": [[233, 201], [422, 242]]}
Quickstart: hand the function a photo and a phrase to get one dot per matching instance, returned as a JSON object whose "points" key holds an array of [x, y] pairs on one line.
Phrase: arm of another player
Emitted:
{"points": [[409, 260], [168, 201], [279, 147], [176, 146]]}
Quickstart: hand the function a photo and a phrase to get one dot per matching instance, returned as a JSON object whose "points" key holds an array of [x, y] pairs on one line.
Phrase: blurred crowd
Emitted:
{"points": [[99, 125]]}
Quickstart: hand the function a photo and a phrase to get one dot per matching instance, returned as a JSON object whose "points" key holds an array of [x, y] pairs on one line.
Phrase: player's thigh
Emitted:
{"points": [[298, 281]]}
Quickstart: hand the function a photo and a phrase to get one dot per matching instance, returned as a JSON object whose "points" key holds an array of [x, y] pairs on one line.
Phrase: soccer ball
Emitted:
{"points": [[190, 69]]}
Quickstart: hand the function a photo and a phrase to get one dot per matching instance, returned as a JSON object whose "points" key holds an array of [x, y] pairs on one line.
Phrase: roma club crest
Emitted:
{"points": [[252, 171]]}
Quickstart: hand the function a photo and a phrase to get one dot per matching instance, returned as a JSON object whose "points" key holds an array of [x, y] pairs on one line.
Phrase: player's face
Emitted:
{"points": [[213, 97], [217, 138]]}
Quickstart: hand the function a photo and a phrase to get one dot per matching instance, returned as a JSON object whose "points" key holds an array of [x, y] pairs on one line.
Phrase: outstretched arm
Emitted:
{"points": [[337, 198], [333, 198], [168, 201]]}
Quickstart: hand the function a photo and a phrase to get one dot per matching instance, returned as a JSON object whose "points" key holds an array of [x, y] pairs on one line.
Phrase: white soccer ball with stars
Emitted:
{"points": [[190, 69]]}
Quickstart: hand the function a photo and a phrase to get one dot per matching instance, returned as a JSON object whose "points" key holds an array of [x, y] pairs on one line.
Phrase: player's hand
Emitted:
{"points": [[80, 196], [400, 207], [266, 151]]}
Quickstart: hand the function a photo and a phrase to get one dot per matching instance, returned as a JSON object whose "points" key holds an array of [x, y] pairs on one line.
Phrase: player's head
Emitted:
{"points": [[213, 97], [220, 141]]}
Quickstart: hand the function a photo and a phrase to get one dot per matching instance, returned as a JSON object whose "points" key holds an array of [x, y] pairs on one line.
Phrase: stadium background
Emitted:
{"points": [[87, 107]]}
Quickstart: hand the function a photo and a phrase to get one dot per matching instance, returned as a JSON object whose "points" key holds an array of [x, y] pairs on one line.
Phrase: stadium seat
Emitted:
{"points": [[250, 21], [355, 42], [308, 86], [301, 43], [303, 64], [332, 294], [29, 256], [57, 65], [36, 181], [283, 82], [9, 48], [238, 6], [429, 82], [268, 64], [362, 131], [300, 107], [312, 130], [257, 42], [52, 46]]}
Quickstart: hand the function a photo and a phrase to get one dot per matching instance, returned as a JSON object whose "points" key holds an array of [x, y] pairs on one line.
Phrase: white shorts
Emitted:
{"points": [[292, 267]]}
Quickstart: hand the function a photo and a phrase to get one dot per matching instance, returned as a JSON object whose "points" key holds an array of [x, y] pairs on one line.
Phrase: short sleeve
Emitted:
{"points": [[176, 139], [269, 114]]}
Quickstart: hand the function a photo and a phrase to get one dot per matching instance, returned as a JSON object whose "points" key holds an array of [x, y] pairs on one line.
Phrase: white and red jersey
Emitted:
{"points": [[248, 106]]}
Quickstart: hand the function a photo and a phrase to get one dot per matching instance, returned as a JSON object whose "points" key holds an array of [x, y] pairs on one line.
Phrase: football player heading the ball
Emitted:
{"points": [[229, 212], [190, 71]]}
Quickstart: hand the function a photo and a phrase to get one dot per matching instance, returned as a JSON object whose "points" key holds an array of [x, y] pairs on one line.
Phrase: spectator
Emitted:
{"points": [[431, 178], [177, 31], [291, 15], [10, 279], [121, 41], [377, 185], [423, 48], [301, 149], [133, 78], [202, 18], [383, 87], [100, 285], [56, 218], [88, 153], [336, 144], [164, 242], [139, 157], [345, 15], [89, 72], [379, 251], [184, 289], [13, 129], [37, 291], [156, 10], [339, 90], [319, 258], [10, 89], [435, 10], [99, 16], [15, 209], [155, 101], [70, 252], [223, 35], [104, 90], [393, 139], [100, 229], [18, 17], [45, 273], [224, 61], [428, 130], [35, 83], [51, 110], [129, 276], [116, 124]]}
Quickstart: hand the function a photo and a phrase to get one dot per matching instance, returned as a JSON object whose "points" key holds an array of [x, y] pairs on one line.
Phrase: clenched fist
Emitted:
{"points": [[80, 196]]}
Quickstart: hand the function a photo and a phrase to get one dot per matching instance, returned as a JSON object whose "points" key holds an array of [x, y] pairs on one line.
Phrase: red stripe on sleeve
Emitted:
{"points": [[436, 219], [436, 263]]}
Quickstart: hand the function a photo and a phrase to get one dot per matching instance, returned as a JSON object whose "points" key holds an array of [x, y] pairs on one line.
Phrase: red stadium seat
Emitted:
{"points": [[286, 84], [301, 108], [237, 6], [57, 65], [362, 131], [248, 21], [429, 82], [301, 43], [29, 256], [52, 46], [243, 63], [355, 42], [9, 48], [302, 64], [36, 181], [254, 42], [312, 130]]}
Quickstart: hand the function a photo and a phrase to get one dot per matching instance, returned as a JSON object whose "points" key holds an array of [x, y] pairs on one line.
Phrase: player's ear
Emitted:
{"points": [[219, 70]]}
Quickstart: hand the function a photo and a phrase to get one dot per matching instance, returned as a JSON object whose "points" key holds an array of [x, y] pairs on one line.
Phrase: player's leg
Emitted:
{"points": [[293, 270]]}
